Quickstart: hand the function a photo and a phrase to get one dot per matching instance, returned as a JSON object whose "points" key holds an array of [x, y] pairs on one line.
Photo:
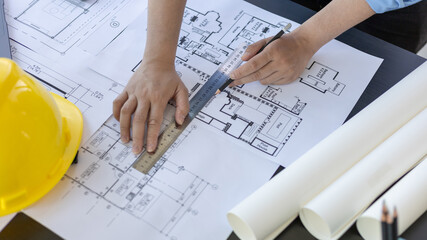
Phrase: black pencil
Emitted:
{"points": [[389, 227], [394, 227], [278, 35], [384, 217]]}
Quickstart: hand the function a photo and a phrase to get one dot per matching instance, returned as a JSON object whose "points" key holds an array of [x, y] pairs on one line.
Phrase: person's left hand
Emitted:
{"points": [[281, 62]]}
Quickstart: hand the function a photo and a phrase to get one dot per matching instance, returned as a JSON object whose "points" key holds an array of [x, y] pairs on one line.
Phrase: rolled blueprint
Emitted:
{"points": [[270, 209], [409, 196], [337, 207]]}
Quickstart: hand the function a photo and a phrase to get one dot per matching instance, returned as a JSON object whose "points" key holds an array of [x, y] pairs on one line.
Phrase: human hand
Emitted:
{"points": [[281, 62], [146, 96]]}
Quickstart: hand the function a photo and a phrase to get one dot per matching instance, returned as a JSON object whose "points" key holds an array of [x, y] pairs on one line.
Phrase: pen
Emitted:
{"points": [[278, 35]]}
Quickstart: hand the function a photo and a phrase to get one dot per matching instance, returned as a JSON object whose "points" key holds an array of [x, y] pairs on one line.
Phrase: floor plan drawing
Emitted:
{"points": [[57, 26], [196, 29], [259, 123], [277, 96], [103, 185], [322, 78], [195, 38], [53, 17], [130, 191], [250, 29]]}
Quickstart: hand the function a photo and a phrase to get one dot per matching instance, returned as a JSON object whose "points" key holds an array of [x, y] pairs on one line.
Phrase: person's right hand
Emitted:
{"points": [[281, 62], [146, 96]]}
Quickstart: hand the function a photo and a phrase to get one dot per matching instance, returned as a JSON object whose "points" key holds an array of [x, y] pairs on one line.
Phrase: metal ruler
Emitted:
{"points": [[147, 160]]}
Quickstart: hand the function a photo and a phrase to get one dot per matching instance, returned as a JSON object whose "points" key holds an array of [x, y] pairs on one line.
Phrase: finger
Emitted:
{"points": [[154, 123], [251, 66], [284, 77], [182, 104], [138, 126], [118, 103], [282, 81], [262, 73], [253, 49], [125, 117], [272, 78]]}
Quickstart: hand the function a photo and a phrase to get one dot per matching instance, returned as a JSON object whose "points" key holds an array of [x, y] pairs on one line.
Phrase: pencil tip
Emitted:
{"points": [[217, 92], [385, 210]]}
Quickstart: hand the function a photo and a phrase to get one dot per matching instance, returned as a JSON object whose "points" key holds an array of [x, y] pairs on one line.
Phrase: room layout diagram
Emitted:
{"points": [[276, 96], [59, 25], [51, 18], [106, 171], [322, 78], [262, 122], [263, 125], [82, 96], [250, 29], [194, 38], [197, 29]]}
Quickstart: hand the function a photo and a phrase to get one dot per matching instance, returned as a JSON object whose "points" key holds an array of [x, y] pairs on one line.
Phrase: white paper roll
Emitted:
{"points": [[265, 213], [409, 196], [336, 208]]}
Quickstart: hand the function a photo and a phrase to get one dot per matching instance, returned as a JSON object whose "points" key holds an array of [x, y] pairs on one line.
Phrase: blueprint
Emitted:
{"points": [[87, 51], [58, 27], [278, 123], [103, 197]]}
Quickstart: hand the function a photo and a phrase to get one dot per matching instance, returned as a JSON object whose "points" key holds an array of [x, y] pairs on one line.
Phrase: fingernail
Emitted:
{"points": [[124, 139], [245, 55], [181, 119], [151, 148], [136, 149], [232, 75]]}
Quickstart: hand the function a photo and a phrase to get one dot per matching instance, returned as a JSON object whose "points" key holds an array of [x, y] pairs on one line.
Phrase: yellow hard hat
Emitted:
{"points": [[40, 134]]}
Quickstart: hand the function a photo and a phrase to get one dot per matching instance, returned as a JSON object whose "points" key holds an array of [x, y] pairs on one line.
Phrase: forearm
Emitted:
{"points": [[164, 23], [337, 17]]}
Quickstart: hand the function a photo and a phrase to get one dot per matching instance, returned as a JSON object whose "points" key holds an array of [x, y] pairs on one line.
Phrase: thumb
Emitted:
{"points": [[182, 104]]}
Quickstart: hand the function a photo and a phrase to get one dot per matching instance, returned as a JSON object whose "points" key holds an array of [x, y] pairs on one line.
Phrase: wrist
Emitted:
{"points": [[158, 63], [306, 41]]}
